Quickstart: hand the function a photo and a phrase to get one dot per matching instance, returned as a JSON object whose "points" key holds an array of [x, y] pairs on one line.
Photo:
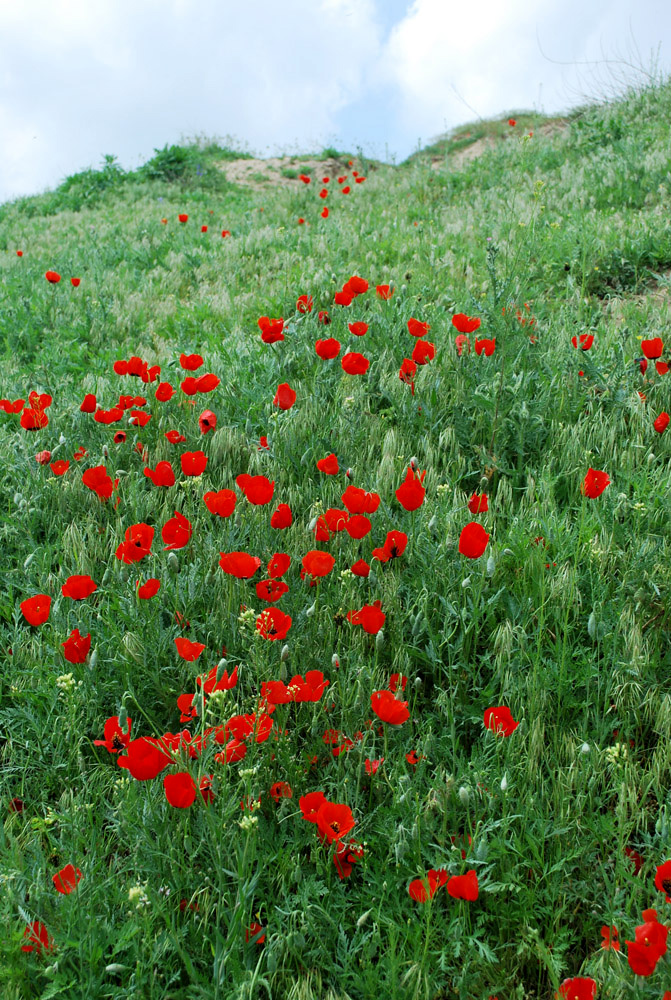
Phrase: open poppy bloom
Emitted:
{"points": [[207, 421], [97, 480], [285, 397], [394, 546], [78, 587], [271, 330], [189, 650], [359, 501], [190, 362], [273, 624], [388, 708], [180, 789], [485, 345], [424, 889], [473, 540], [304, 304], [583, 341], [76, 647], [53, 277], [345, 857], [162, 475], [663, 879], [653, 348], [310, 805], [578, 989], [464, 886], [282, 517], [328, 349], [328, 465], [115, 738], [239, 564], [359, 329], [609, 935], [278, 565], [478, 504], [176, 532], [417, 329], [36, 609], [193, 463], [411, 493], [334, 820], [317, 563], [384, 292], [67, 879], [258, 489], [221, 503], [145, 758], [271, 590], [37, 938], [648, 946], [465, 324], [136, 544], [149, 589], [407, 373], [500, 721], [594, 483], [370, 617], [423, 352], [354, 363], [660, 424]]}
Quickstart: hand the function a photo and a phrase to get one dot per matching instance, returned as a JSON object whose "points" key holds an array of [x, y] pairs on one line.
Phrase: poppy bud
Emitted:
{"points": [[432, 523], [27, 561], [483, 482], [122, 719], [379, 640], [585, 748], [284, 673], [591, 626], [363, 918], [464, 795], [62, 439], [504, 783], [93, 660], [284, 655], [106, 452], [418, 682], [491, 566], [173, 562], [349, 474], [221, 667], [335, 662], [123, 573], [310, 611], [313, 524], [466, 582], [414, 464], [107, 576]]}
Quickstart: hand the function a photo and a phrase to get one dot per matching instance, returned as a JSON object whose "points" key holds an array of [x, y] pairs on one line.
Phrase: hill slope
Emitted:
{"points": [[560, 615]]}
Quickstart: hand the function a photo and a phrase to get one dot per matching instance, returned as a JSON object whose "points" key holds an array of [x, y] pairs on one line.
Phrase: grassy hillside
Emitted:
{"points": [[563, 617]]}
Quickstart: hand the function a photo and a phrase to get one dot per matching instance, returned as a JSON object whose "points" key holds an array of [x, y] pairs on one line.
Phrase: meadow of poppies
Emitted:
{"points": [[334, 616]]}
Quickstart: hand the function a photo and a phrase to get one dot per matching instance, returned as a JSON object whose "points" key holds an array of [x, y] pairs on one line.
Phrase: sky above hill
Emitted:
{"points": [[83, 78]]}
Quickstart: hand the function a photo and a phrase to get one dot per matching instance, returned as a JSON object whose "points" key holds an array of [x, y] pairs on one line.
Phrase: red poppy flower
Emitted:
{"points": [[180, 789], [577, 989], [263, 443], [176, 532], [328, 465], [304, 304], [478, 504], [221, 503], [43, 457], [317, 563], [310, 805], [207, 382], [258, 489], [334, 820], [273, 624], [76, 647], [384, 292], [67, 879], [271, 590], [354, 363], [207, 421], [512, 122], [115, 738], [411, 493], [359, 501], [660, 424], [423, 352], [324, 193], [174, 437], [164, 391], [609, 935], [278, 565], [464, 886], [652, 348], [345, 856], [584, 341], [663, 879], [324, 212], [648, 946], [486, 345], [239, 564], [137, 543], [635, 858], [271, 330], [188, 650], [190, 362], [282, 517], [38, 938], [162, 475], [149, 589], [183, 218], [465, 324], [424, 889], [360, 568], [358, 526], [203, 229], [145, 758], [88, 404], [473, 540], [387, 708], [343, 298], [500, 721], [225, 233], [119, 437], [328, 349], [234, 751], [417, 328], [594, 483], [193, 463], [36, 609], [359, 329], [407, 373], [370, 617], [285, 397], [99, 482], [280, 790], [33, 419], [253, 932], [218, 681], [53, 277], [19, 253], [60, 467]]}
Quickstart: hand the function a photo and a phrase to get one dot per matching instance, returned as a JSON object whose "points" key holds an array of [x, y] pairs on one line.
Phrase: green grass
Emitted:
{"points": [[570, 632]]}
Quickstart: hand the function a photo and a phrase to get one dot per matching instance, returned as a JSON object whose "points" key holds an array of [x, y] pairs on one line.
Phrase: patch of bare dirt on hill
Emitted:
{"points": [[281, 171], [465, 155]]}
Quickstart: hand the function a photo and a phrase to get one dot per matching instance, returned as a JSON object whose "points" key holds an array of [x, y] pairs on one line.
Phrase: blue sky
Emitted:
{"points": [[82, 78]]}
